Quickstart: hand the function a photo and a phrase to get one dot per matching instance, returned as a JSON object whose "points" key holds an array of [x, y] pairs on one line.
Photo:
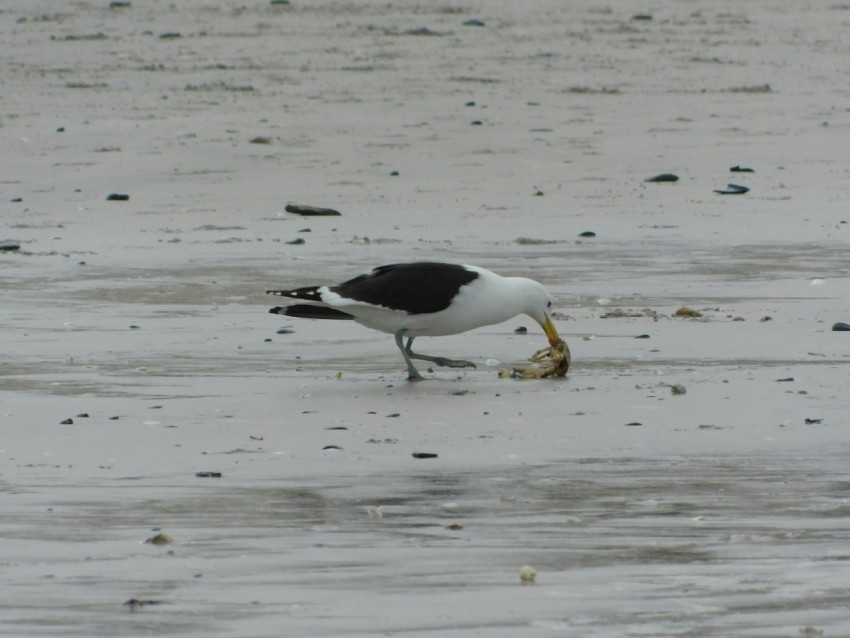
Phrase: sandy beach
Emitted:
{"points": [[145, 389]]}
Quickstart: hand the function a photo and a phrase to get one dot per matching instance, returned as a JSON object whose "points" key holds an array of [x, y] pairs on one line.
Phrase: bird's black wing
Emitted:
{"points": [[416, 288]]}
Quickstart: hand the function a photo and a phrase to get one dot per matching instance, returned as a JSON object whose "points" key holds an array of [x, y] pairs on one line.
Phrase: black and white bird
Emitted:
{"points": [[425, 299]]}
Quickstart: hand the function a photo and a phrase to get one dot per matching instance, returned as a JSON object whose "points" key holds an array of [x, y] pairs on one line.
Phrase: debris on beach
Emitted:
{"points": [[310, 211], [135, 603], [684, 311], [663, 177], [733, 189]]}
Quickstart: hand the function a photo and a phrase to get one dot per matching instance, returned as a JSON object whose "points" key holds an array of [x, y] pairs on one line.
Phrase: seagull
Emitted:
{"points": [[425, 299]]}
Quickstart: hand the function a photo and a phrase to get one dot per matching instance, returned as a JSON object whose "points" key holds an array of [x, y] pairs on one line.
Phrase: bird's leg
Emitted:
{"points": [[440, 361], [412, 372]]}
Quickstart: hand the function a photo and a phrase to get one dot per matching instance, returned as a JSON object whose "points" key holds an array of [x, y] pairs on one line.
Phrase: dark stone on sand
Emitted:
{"points": [[61, 129], [170, 35], [67, 422], [284, 331], [476, 122], [83, 415], [643, 336], [394, 174], [646, 17], [741, 169], [841, 327], [9, 246], [135, 603], [587, 233], [470, 103], [473, 23], [663, 177], [297, 242], [279, 2], [119, 4], [312, 211], [733, 189], [810, 421], [521, 330], [117, 197], [424, 455], [17, 199], [208, 474], [261, 139], [634, 424]]}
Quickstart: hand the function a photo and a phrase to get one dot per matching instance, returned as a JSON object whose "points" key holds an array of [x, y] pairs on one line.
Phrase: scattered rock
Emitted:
{"points": [[840, 327], [296, 242], [160, 539], [473, 23], [424, 455], [785, 380], [117, 197], [9, 246], [261, 139], [454, 526], [310, 211], [813, 421], [527, 575], [684, 311], [67, 422], [521, 330], [170, 35], [678, 388], [208, 474], [135, 603], [332, 447], [634, 424], [663, 177], [733, 189], [476, 123], [587, 233], [741, 169]]}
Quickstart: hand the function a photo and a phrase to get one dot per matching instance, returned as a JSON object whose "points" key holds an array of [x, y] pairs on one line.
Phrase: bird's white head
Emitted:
{"points": [[538, 306]]}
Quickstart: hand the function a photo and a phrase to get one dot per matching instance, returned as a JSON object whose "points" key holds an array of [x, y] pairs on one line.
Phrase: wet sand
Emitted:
{"points": [[719, 512]]}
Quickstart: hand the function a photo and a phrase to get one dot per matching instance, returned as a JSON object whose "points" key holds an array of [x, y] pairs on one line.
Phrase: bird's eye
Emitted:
{"points": [[549, 305]]}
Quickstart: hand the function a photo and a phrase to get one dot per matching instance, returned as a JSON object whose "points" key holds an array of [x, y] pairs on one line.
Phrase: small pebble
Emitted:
{"points": [[634, 424], [424, 455], [117, 197], [297, 242], [67, 422], [527, 575], [476, 122], [160, 539], [741, 169], [521, 330], [208, 474], [840, 327], [587, 233], [473, 23], [678, 388]]}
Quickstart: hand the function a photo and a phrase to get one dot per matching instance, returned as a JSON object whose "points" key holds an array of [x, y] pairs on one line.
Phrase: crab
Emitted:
{"points": [[556, 358]]}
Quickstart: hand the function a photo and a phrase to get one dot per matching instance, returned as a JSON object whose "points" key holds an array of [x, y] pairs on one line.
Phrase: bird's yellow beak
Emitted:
{"points": [[551, 332]]}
